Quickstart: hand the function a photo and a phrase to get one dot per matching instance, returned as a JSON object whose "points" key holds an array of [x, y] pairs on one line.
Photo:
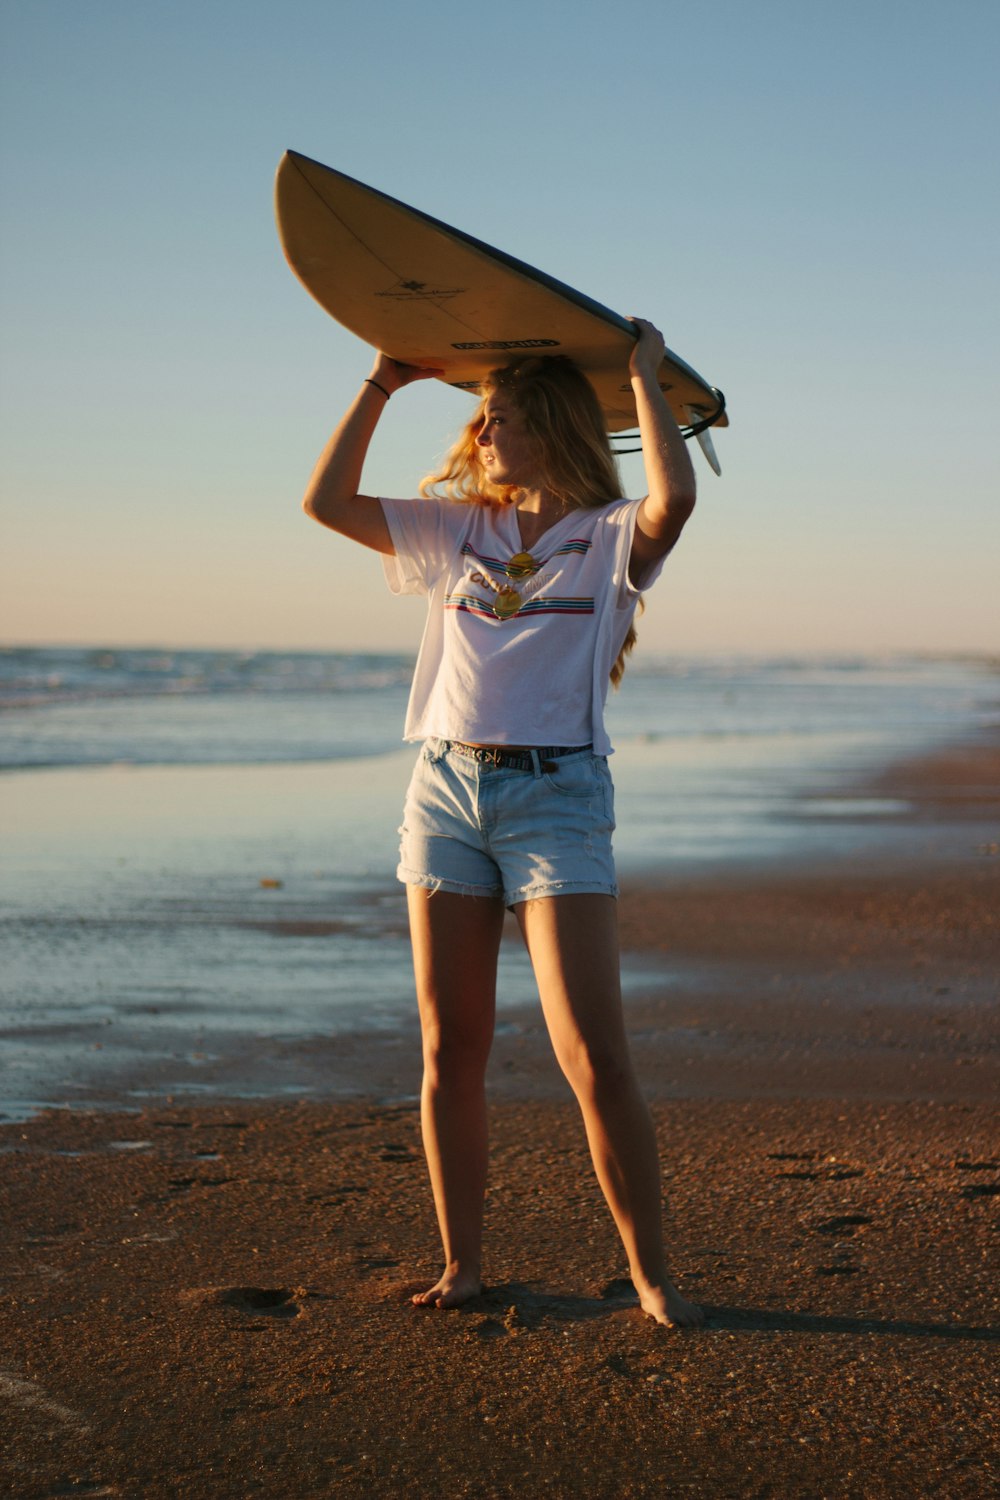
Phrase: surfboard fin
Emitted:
{"points": [[704, 439]]}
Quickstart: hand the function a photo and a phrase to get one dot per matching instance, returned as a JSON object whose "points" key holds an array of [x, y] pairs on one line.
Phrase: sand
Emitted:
{"points": [[211, 1300]]}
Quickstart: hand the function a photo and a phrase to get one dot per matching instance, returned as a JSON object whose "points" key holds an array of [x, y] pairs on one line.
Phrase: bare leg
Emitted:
{"points": [[573, 943], [455, 944]]}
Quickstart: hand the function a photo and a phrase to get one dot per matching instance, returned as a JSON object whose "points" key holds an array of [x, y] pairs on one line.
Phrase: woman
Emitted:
{"points": [[532, 583]]}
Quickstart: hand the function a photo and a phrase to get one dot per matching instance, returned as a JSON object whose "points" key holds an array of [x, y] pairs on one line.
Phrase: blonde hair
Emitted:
{"points": [[563, 416]]}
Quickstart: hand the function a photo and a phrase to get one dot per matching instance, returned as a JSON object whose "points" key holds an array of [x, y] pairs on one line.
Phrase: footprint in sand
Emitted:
{"points": [[258, 1301], [841, 1227], [488, 1328], [826, 1173], [844, 1226], [335, 1199], [828, 1170], [369, 1263], [185, 1184]]}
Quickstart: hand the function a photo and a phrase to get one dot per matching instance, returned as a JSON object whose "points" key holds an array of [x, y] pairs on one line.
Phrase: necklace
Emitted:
{"points": [[506, 602], [522, 565]]}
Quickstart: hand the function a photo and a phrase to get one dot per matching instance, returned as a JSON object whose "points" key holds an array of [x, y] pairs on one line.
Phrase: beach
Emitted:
{"points": [[208, 1295], [215, 1206]]}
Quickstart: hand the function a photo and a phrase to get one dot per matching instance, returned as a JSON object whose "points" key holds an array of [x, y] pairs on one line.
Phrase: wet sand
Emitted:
{"points": [[211, 1300]]}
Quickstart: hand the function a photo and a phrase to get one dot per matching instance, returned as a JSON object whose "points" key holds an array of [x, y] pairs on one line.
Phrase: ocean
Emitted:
{"points": [[199, 846]]}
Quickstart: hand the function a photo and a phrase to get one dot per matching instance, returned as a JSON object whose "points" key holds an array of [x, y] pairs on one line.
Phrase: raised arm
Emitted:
{"points": [[332, 497], [669, 471]]}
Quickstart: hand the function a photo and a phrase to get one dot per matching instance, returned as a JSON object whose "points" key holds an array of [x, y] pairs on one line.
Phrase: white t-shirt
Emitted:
{"points": [[493, 670]]}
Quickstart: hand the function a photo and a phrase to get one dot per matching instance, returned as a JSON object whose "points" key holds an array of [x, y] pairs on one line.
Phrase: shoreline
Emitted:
{"points": [[867, 975]]}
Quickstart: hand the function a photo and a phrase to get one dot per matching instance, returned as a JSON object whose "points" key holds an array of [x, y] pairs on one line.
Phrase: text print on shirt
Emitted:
{"points": [[519, 579]]}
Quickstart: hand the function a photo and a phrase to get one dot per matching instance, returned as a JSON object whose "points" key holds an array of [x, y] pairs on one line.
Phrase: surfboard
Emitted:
{"points": [[429, 294]]}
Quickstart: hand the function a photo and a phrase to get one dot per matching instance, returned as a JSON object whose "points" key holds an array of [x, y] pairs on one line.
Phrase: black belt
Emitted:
{"points": [[516, 760]]}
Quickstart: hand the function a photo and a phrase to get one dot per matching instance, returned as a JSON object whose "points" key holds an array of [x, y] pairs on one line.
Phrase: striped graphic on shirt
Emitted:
{"points": [[551, 605], [470, 605], [578, 544]]}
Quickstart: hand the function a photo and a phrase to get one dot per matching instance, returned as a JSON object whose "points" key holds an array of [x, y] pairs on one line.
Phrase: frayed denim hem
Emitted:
{"points": [[452, 887], [559, 888]]}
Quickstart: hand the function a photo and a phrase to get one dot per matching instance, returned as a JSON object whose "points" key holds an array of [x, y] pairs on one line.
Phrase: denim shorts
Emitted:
{"points": [[486, 830]]}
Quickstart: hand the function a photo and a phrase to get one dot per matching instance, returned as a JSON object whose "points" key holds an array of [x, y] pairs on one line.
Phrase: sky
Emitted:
{"points": [[801, 195]]}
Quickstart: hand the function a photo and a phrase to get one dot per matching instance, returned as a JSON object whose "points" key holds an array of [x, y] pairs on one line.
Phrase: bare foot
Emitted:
{"points": [[454, 1287], [666, 1305]]}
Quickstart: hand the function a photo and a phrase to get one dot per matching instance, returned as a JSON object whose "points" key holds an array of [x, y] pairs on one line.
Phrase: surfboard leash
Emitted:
{"points": [[690, 431]]}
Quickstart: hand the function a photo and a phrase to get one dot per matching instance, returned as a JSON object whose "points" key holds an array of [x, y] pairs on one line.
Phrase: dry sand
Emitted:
{"points": [[211, 1301]]}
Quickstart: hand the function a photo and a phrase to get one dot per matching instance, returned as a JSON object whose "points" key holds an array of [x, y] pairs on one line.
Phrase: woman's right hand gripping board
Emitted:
{"points": [[332, 496]]}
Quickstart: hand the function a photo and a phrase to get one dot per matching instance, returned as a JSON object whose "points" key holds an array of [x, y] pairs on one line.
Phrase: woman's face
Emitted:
{"points": [[507, 452]]}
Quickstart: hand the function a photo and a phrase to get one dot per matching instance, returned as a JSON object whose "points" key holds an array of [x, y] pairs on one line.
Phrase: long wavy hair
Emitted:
{"points": [[563, 417]]}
